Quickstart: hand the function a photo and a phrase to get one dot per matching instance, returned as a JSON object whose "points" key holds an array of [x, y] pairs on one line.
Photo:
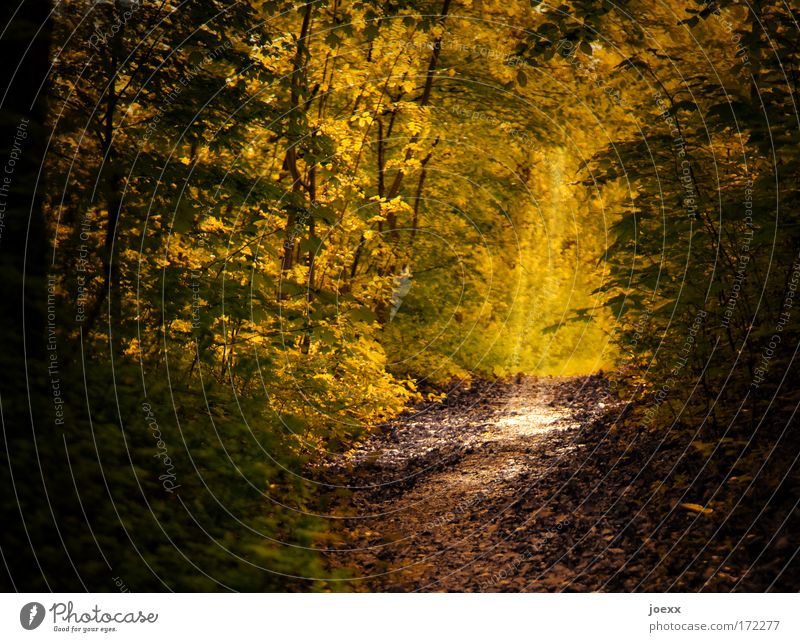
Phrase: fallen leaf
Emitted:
{"points": [[697, 508]]}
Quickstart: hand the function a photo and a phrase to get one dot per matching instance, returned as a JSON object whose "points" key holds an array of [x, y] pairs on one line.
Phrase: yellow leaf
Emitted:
{"points": [[697, 508]]}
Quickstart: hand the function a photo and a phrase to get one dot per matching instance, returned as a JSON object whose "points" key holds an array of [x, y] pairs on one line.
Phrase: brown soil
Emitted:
{"points": [[531, 485]]}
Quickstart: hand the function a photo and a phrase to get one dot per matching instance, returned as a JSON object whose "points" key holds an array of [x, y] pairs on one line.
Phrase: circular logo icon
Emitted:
{"points": [[31, 615]]}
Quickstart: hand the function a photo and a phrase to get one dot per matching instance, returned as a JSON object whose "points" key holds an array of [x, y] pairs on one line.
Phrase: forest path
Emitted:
{"points": [[474, 493]]}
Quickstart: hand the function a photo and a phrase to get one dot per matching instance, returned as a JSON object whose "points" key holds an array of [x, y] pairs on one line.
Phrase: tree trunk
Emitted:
{"points": [[29, 436]]}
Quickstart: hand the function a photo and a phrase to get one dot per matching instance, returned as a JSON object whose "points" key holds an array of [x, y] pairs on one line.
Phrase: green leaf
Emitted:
{"points": [[363, 315]]}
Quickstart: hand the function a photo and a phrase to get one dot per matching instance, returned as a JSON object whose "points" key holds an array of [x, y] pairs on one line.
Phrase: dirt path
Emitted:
{"points": [[442, 491], [538, 485]]}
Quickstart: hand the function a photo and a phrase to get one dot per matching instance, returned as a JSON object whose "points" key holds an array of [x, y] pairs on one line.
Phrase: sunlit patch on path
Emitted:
{"points": [[532, 410]]}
